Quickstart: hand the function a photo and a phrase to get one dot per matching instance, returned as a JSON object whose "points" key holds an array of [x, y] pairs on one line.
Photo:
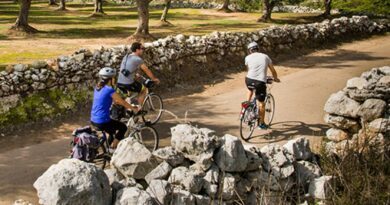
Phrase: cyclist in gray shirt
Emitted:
{"points": [[257, 64], [130, 65]]}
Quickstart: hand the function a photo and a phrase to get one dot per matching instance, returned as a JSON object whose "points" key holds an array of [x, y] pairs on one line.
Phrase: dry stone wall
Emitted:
{"points": [[177, 59], [360, 113]]}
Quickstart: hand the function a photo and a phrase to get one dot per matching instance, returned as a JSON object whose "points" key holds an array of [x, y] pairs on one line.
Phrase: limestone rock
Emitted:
{"points": [[170, 155], [319, 187], [72, 181], [299, 148], [180, 197], [342, 122], [340, 104], [133, 159], [306, 171], [160, 190], [372, 109], [160, 172], [379, 125], [231, 156], [134, 196], [357, 83], [336, 135], [182, 176]]}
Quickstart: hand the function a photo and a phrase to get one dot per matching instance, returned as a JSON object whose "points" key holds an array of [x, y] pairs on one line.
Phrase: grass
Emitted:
{"points": [[65, 32]]}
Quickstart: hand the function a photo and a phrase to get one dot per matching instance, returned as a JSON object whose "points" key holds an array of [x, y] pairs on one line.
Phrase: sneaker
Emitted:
{"points": [[263, 126]]}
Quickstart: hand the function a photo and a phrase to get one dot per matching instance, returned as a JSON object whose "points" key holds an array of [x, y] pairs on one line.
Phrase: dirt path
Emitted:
{"points": [[307, 83]]}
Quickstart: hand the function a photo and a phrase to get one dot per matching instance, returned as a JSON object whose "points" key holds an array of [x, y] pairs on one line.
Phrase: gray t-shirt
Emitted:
{"points": [[131, 63], [257, 64]]}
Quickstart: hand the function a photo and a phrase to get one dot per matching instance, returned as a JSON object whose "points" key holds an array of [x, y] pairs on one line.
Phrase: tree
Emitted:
{"points": [[268, 5], [225, 6], [98, 8], [165, 12], [142, 31], [52, 3], [62, 6], [328, 7], [21, 23]]}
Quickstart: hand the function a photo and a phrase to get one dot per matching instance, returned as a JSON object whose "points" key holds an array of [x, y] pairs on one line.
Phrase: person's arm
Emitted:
{"points": [[149, 73], [273, 71], [119, 101]]}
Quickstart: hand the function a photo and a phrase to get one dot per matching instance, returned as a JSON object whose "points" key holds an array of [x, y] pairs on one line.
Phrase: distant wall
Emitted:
{"points": [[176, 59]]}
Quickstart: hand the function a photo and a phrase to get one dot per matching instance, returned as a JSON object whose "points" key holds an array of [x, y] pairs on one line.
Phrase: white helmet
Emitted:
{"points": [[253, 45], [106, 73]]}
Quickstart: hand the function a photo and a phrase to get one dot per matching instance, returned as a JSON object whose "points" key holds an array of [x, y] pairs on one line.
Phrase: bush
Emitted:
{"points": [[362, 174], [248, 5], [365, 6]]}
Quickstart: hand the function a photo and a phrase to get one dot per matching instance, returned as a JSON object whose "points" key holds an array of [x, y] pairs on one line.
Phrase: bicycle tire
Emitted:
{"points": [[150, 141], [101, 158], [269, 109], [243, 122], [150, 107]]}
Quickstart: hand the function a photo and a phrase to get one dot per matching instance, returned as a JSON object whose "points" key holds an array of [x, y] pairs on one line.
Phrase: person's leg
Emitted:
{"points": [[120, 130], [142, 95], [250, 94], [261, 112]]}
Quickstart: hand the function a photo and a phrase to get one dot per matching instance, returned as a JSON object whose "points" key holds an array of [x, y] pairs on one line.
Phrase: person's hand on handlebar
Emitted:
{"points": [[135, 108]]}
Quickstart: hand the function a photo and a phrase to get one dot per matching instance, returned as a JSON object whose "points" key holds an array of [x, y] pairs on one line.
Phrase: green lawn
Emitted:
{"points": [[65, 32]]}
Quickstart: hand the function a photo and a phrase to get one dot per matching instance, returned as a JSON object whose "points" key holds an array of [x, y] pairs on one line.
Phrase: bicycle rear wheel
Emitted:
{"points": [[102, 158], [153, 105], [148, 136], [269, 109], [248, 123]]}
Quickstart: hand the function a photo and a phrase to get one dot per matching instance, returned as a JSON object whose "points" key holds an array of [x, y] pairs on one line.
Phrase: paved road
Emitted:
{"points": [[308, 82]]}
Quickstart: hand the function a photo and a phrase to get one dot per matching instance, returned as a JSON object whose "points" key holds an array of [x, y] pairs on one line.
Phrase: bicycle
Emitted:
{"points": [[249, 115]]}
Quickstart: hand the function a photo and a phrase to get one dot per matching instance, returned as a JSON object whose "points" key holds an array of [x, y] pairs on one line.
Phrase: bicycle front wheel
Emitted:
{"points": [[153, 105], [147, 136], [247, 123], [269, 109], [102, 158]]}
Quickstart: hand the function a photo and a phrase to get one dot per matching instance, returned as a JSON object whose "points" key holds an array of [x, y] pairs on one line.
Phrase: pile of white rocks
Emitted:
{"points": [[295, 9], [198, 168], [176, 57], [360, 113]]}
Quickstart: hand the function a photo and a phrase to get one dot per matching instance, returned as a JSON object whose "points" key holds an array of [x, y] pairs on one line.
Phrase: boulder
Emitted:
{"points": [[160, 172], [379, 125], [200, 199], [273, 157], [134, 196], [340, 104], [196, 144], [306, 172], [113, 175], [336, 135], [357, 83], [160, 190], [341, 122], [190, 181], [211, 180], [299, 148], [170, 155], [254, 158], [319, 187], [38, 64], [133, 159], [372, 109], [229, 187], [231, 156], [72, 181], [384, 82], [180, 197]]}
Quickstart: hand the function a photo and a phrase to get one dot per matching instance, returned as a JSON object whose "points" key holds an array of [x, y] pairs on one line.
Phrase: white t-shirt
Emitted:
{"points": [[257, 64]]}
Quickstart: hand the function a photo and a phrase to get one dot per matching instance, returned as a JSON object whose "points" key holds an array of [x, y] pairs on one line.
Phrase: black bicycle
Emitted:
{"points": [[249, 115]]}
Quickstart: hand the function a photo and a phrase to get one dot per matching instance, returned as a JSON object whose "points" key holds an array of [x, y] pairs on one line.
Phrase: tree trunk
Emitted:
{"points": [[143, 20], [52, 3], [99, 6], [21, 23], [267, 10], [225, 6], [328, 7], [165, 12], [62, 6]]}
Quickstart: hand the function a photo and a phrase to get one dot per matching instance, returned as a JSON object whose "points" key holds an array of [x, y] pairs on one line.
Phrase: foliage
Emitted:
{"points": [[44, 104], [362, 174], [248, 5], [366, 6]]}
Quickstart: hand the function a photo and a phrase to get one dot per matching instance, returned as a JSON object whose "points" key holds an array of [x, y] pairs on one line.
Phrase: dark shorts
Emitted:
{"points": [[259, 86], [113, 127], [134, 87]]}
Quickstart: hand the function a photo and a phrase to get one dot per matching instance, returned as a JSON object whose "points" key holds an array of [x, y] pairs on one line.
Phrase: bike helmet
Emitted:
{"points": [[106, 73], [253, 45]]}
